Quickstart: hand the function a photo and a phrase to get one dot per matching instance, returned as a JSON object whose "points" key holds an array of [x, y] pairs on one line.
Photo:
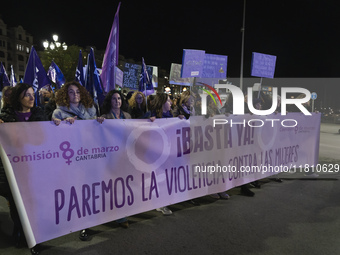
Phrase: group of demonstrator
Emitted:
{"points": [[72, 103]]}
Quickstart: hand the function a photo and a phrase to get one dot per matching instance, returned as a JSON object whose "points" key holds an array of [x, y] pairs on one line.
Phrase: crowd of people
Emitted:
{"points": [[72, 103]]}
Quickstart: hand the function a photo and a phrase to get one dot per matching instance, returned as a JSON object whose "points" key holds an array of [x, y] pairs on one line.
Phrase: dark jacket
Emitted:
{"points": [[180, 111], [9, 115], [136, 113]]}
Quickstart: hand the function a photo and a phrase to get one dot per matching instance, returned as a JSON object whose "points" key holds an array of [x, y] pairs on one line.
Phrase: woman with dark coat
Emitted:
{"points": [[22, 109], [137, 105]]}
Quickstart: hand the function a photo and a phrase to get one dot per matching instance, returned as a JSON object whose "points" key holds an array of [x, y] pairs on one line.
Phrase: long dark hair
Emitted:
{"points": [[106, 107], [15, 96]]}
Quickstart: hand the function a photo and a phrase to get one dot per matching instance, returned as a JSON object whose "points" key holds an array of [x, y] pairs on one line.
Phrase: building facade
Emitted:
{"points": [[15, 47]]}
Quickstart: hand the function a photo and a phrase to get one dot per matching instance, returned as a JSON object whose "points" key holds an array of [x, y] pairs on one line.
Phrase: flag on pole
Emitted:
{"points": [[80, 71], [35, 73], [92, 80], [55, 75], [145, 83], [4, 81], [13, 79], [111, 55]]}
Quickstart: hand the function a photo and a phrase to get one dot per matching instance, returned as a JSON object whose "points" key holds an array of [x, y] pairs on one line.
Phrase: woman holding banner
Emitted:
{"points": [[213, 110], [111, 109], [161, 108], [21, 109], [185, 106], [73, 102]]}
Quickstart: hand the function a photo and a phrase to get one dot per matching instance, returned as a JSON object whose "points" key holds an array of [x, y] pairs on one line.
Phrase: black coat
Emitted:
{"points": [[180, 111], [9, 115]]}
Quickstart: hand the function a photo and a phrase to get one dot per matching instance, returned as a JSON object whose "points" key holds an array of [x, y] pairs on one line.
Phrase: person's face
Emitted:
{"points": [[116, 101], [27, 99], [46, 93], [167, 105], [139, 99], [74, 94]]}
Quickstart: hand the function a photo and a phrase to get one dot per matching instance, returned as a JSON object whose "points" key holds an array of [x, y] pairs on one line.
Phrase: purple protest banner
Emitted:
{"points": [[263, 65], [215, 66], [192, 63], [66, 178]]}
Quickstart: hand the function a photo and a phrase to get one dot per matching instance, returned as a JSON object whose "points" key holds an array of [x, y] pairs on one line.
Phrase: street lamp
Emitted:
{"points": [[55, 44], [55, 37], [45, 44], [64, 46]]}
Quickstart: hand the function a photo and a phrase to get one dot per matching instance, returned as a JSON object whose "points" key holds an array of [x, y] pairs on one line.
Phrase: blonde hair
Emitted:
{"points": [[132, 101]]}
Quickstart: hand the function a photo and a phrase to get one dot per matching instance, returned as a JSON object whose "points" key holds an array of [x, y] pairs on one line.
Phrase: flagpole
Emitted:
{"points": [[242, 47], [146, 100]]}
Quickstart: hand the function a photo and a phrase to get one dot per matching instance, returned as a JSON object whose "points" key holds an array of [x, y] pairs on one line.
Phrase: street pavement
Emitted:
{"points": [[301, 215]]}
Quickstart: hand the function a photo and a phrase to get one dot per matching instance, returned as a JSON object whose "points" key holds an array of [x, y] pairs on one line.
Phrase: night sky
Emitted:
{"points": [[303, 34]]}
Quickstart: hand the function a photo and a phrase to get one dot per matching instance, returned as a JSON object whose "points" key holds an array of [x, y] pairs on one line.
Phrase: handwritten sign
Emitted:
{"points": [[215, 66], [192, 63], [132, 74]]}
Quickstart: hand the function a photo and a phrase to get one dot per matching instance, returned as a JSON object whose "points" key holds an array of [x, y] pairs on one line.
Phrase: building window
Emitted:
{"points": [[27, 50], [20, 58], [20, 37], [2, 54], [19, 47], [21, 68]]}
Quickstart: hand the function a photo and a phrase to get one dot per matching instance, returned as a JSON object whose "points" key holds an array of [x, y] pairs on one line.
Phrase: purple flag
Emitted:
{"points": [[145, 82], [4, 81], [35, 73], [111, 56], [92, 80], [80, 71], [13, 79], [55, 75]]}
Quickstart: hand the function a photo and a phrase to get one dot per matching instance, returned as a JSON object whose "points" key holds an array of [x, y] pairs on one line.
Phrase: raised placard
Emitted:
{"points": [[263, 65]]}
